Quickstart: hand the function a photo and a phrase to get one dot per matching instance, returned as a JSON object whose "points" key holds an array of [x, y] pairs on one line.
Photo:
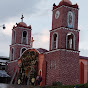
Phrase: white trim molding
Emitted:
{"points": [[22, 28], [66, 7], [61, 50], [64, 28], [12, 61], [21, 45]]}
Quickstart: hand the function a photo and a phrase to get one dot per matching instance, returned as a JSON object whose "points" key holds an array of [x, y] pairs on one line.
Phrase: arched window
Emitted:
{"points": [[24, 37], [12, 54], [55, 41], [70, 41], [14, 37], [22, 50], [40, 72]]}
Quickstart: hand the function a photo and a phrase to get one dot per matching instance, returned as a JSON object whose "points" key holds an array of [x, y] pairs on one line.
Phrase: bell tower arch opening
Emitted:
{"points": [[14, 37], [12, 54], [24, 37], [55, 41], [70, 44]]}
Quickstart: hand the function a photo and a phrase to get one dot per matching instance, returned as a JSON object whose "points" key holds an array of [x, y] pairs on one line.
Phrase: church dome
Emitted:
{"points": [[67, 1], [22, 24]]}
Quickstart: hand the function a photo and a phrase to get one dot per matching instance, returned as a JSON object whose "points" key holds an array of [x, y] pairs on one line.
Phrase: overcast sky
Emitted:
{"points": [[38, 14]]}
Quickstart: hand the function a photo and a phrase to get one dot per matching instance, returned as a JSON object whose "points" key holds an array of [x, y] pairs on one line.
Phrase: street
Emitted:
{"points": [[15, 86]]}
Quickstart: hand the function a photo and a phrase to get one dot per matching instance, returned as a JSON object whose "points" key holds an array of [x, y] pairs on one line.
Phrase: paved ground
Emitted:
{"points": [[15, 86]]}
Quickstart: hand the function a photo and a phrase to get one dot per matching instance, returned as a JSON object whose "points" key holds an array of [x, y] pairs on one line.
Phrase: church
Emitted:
{"points": [[61, 63]]}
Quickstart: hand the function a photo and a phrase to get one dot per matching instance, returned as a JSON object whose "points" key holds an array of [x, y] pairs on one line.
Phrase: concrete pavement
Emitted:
{"points": [[16, 86]]}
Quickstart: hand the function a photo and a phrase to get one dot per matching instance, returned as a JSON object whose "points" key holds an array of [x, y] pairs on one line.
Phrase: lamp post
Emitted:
{"points": [[3, 26]]}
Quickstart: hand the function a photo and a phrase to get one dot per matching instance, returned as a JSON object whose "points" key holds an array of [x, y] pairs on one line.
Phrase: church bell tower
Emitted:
{"points": [[21, 39], [63, 57], [64, 33]]}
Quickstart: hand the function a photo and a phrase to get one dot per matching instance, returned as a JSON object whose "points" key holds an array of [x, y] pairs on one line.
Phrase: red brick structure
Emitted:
{"points": [[64, 57], [21, 38], [61, 63]]}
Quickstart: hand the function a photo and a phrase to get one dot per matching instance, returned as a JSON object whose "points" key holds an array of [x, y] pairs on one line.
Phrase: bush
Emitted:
{"points": [[57, 84], [82, 85]]}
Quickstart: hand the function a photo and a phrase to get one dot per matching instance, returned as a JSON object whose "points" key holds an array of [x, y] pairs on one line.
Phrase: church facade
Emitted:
{"points": [[61, 63]]}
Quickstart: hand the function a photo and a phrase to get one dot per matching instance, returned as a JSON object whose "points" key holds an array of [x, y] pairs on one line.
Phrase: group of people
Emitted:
{"points": [[23, 80], [38, 80], [33, 81]]}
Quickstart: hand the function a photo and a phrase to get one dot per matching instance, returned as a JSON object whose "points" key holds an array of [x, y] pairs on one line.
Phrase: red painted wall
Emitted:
{"points": [[83, 70]]}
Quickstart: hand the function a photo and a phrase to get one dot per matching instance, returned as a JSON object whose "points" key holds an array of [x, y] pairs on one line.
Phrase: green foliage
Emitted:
{"points": [[82, 85], [67, 86], [57, 84]]}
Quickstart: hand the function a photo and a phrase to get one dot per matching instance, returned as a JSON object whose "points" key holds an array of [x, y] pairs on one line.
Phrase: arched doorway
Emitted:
{"points": [[28, 68]]}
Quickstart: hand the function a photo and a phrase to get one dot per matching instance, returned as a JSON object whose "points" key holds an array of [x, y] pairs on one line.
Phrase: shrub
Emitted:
{"points": [[57, 84]]}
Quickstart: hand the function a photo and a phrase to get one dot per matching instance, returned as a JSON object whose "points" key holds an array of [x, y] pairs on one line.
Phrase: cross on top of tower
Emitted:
{"points": [[22, 18]]}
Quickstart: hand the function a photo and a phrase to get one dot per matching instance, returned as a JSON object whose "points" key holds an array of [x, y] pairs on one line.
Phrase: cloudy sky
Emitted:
{"points": [[38, 14]]}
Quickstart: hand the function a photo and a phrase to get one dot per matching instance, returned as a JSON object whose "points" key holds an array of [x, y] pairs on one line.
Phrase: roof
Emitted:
{"points": [[83, 57], [66, 3], [22, 24], [4, 58], [41, 50], [3, 73], [3, 61]]}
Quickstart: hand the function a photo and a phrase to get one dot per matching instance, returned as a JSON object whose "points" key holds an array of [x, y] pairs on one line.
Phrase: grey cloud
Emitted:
{"points": [[4, 44], [11, 8], [37, 34]]}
